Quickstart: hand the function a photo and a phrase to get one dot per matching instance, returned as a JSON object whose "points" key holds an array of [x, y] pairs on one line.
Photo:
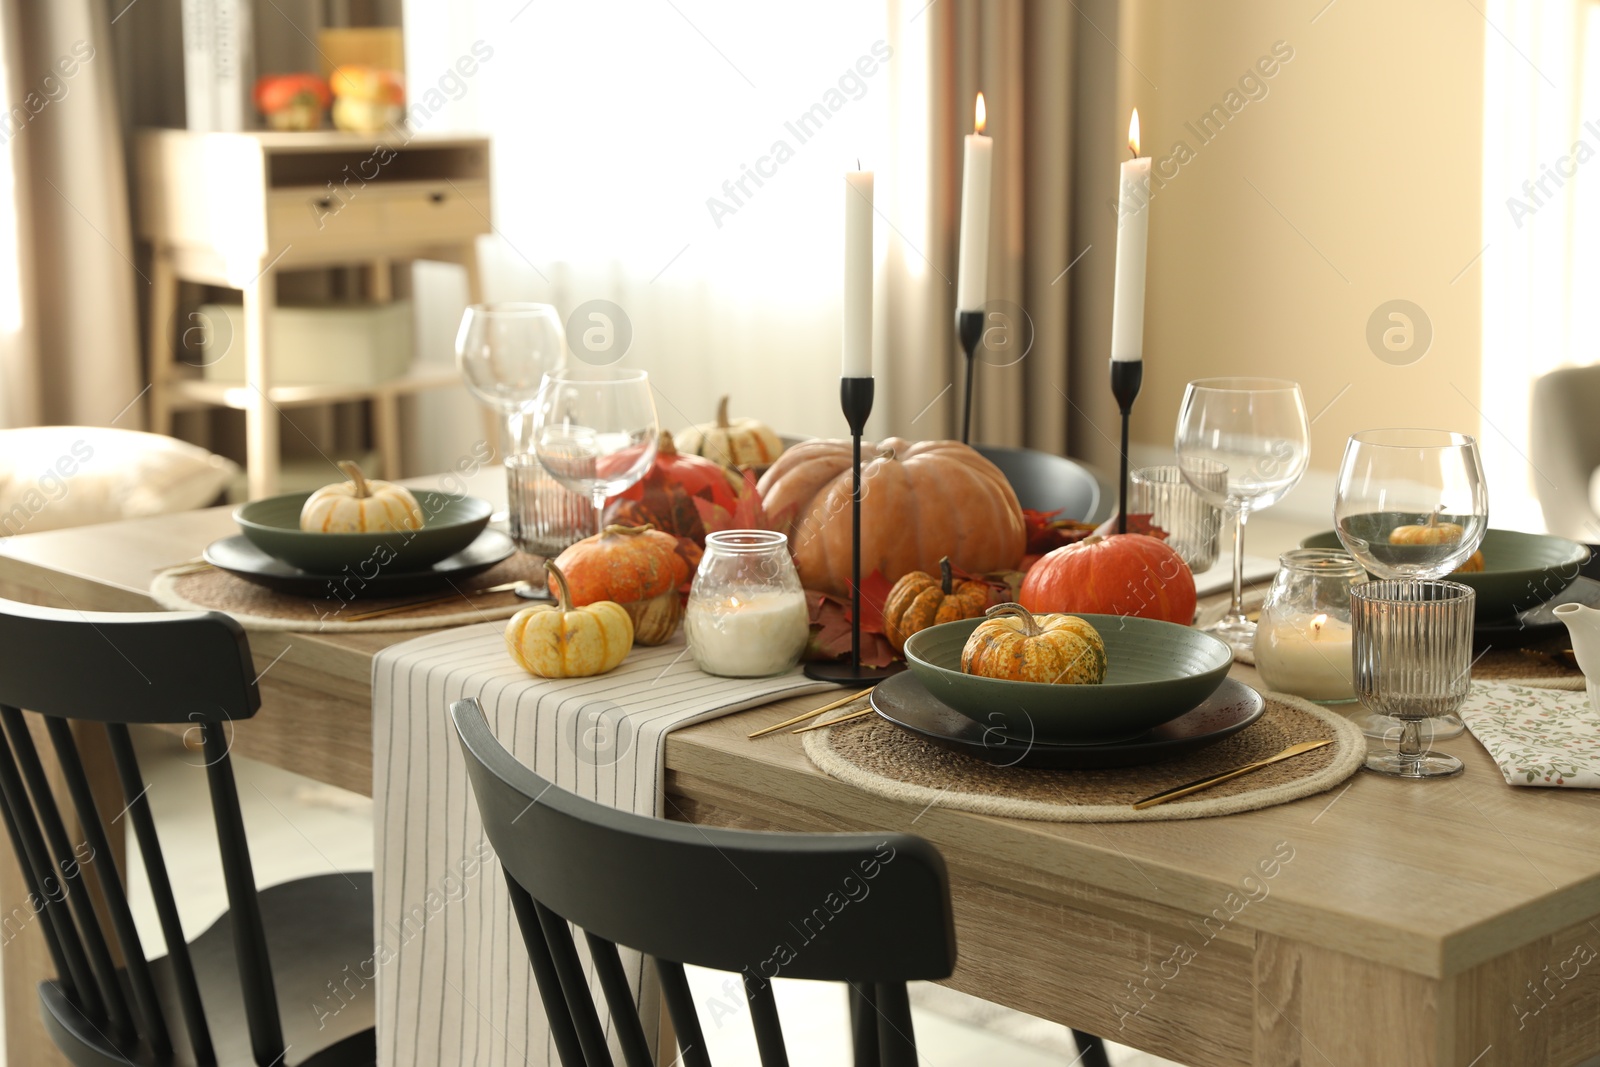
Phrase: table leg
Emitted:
{"points": [[386, 431], [163, 307], [261, 417]]}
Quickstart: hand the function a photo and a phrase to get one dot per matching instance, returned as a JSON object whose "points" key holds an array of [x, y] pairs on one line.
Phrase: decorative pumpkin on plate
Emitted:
{"points": [[1124, 574], [687, 496], [1019, 646], [561, 641], [292, 101], [360, 505], [733, 442], [919, 502], [1434, 532], [635, 566], [919, 600]]}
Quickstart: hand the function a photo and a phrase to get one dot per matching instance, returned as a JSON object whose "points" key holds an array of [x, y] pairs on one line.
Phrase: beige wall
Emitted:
{"points": [[1367, 145]]}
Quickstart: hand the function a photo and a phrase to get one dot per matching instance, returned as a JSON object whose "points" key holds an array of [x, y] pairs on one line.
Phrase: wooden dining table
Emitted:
{"points": [[1453, 923]]}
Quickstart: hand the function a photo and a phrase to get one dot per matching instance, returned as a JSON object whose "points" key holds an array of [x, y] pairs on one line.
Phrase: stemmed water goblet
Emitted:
{"points": [[594, 431], [1411, 507], [1242, 444], [504, 351]]}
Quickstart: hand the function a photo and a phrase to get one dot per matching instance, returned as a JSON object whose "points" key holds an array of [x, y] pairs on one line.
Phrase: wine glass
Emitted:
{"points": [[504, 351], [595, 430], [1411, 504], [1255, 430]]}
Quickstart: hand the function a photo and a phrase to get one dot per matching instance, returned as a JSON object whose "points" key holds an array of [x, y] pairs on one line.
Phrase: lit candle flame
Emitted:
{"points": [[1317, 623], [980, 116], [1133, 133]]}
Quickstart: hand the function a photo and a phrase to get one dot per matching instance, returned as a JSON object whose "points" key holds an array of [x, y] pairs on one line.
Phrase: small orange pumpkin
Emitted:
{"points": [[636, 566], [1017, 645], [919, 600], [1124, 574], [1433, 532]]}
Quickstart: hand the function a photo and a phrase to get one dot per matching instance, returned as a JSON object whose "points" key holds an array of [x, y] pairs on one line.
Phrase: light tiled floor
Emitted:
{"points": [[298, 827]]}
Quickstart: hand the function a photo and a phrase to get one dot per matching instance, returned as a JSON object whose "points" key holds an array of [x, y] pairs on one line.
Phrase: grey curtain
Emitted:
{"points": [[1046, 87], [69, 348]]}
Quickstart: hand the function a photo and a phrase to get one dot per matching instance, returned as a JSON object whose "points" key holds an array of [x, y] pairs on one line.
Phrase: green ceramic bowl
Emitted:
{"points": [[1155, 672], [450, 524], [1520, 570]]}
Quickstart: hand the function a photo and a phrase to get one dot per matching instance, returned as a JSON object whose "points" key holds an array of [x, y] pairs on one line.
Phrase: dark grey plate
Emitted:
{"points": [[904, 701], [238, 555]]}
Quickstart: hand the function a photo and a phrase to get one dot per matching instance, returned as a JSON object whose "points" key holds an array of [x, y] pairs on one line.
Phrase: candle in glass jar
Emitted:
{"points": [[748, 635], [1309, 656]]}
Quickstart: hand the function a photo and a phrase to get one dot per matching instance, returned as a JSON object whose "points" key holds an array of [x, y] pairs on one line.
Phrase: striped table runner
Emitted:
{"points": [[452, 976]]}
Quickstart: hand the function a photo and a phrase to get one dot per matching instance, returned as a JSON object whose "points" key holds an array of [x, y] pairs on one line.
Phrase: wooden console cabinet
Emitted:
{"points": [[237, 209]]}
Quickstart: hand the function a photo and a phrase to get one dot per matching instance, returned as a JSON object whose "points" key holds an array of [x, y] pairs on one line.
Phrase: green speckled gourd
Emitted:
{"points": [[1015, 644]]}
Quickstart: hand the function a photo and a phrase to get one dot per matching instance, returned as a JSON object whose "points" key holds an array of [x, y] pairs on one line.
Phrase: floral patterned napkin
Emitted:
{"points": [[1539, 737]]}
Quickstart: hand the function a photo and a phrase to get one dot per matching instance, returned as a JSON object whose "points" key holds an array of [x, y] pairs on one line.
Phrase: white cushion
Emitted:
{"points": [[1594, 490], [52, 477]]}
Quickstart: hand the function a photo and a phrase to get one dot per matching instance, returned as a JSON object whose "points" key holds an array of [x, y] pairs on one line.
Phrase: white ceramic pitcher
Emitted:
{"points": [[1583, 623]]}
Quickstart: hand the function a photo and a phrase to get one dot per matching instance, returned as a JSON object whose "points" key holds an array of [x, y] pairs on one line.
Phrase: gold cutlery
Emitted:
{"points": [[188, 566], [862, 714], [1214, 779], [396, 609], [804, 715]]}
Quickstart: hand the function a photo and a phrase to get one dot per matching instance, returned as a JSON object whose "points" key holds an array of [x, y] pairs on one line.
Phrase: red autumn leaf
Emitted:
{"points": [[830, 624], [746, 514], [1138, 523], [830, 634]]}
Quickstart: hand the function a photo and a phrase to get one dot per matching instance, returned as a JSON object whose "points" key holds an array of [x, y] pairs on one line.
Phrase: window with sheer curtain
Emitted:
{"points": [[684, 160], [1541, 218]]}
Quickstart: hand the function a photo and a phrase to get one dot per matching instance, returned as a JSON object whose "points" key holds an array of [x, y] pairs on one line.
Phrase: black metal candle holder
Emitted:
{"points": [[1126, 377], [855, 396], [969, 328]]}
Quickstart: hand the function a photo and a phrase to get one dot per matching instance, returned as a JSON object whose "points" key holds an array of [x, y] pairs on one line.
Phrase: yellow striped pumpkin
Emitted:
{"points": [[560, 641]]}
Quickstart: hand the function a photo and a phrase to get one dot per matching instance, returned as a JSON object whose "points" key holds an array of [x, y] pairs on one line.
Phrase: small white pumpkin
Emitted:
{"points": [[360, 506], [732, 442]]}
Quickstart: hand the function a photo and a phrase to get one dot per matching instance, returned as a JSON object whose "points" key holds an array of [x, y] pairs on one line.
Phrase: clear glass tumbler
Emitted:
{"points": [[1192, 524], [1413, 661], [545, 516]]}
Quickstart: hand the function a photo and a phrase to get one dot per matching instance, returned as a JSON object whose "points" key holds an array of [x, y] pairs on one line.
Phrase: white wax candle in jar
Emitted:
{"points": [[749, 634], [1309, 656]]}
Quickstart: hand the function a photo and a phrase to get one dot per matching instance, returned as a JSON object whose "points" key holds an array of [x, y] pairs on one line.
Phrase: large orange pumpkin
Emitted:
{"points": [[635, 566], [1124, 574], [919, 502]]}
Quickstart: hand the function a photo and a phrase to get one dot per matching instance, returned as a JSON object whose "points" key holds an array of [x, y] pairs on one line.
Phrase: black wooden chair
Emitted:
{"points": [[870, 910], [270, 982]]}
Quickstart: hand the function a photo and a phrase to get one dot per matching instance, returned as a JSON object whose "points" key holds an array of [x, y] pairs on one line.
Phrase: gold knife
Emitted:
{"points": [[1210, 780]]}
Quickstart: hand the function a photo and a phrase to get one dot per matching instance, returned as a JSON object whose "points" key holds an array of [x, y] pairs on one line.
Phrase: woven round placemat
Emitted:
{"points": [[259, 608], [879, 757]]}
